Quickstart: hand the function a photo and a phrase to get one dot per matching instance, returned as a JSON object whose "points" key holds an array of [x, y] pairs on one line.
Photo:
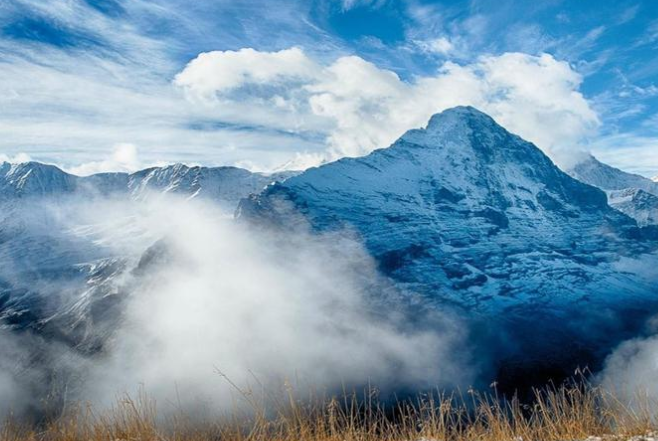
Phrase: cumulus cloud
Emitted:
{"points": [[222, 71], [368, 107]]}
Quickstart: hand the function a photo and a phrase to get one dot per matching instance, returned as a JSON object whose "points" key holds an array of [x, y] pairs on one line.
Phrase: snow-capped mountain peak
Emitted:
{"points": [[463, 214], [462, 209]]}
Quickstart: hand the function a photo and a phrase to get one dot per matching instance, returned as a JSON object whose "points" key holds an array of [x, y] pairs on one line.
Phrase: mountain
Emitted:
{"points": [[462, 216], [465, 209], [612, 180], [38, 201], [638, 204], [33, 178], [59, 263], [473, 217], [225, 185], [593, 172]]}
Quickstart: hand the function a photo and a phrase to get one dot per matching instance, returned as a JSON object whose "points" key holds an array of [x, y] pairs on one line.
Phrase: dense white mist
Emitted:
{"points": [[631, 370], [11, 396], [264, 309]]}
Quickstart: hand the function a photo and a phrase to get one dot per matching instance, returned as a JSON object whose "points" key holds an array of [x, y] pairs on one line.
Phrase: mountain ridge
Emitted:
{"points": [[603, 176], [224, 183]]}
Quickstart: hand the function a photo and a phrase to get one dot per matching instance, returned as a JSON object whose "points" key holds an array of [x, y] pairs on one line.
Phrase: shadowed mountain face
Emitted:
{"points": [[472, 217]]}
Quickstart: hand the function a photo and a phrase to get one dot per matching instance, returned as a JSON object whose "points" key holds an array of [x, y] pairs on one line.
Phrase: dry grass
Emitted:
{"points": [[573, 412]]}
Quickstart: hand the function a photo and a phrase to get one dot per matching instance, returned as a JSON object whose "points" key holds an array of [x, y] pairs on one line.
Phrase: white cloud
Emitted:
{"points": [[68, 109], [439, 45], [222, 71], [124, 158], [351, 4], [368, 107], [225, 298], [15, 159]]}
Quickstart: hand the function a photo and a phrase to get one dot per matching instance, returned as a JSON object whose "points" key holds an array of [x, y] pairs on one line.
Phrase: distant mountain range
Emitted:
{"points": [[224, 185], [48, 246], [461, 215]]}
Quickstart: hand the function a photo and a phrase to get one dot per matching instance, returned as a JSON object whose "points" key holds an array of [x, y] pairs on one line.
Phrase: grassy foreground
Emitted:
{"points": [[574, 412]]}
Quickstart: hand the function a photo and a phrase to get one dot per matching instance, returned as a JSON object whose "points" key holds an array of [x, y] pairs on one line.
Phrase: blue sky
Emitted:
{"points": [[119, 84]]}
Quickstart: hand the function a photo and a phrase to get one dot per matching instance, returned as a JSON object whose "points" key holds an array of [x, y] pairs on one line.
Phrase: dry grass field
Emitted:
{"points": [[578, 411]]}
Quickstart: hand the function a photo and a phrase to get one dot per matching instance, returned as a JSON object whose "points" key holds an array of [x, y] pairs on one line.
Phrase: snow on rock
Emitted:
{"points": [[468, 214]]}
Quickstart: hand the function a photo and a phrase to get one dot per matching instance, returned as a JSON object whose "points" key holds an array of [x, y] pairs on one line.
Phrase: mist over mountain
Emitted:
{"points": [[460, 241]]}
